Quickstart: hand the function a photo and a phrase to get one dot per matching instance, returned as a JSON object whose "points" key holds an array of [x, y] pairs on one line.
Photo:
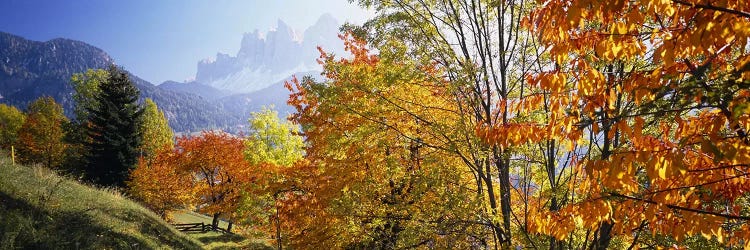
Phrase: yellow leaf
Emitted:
{"points": [[621, 28], [662, 168], [616, 49]]}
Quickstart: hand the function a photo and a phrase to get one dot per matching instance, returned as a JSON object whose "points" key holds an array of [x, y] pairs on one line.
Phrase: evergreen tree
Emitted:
{"points": [[113, 130], [86, 86]]}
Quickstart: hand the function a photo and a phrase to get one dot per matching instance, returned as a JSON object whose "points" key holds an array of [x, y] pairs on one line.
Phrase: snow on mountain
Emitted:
{"points": [[264, 59]]}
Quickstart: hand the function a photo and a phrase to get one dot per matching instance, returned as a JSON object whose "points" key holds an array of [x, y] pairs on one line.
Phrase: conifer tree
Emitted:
{"points": [[114, 130], [86, 86]]}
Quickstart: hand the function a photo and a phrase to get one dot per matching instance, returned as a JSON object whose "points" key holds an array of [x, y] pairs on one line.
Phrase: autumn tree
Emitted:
{"points": [[661, 99], [40, 139], [272, 141], [383, 152], [154, 130], [157, 181], [208, 171], [113, 130], [271, 147], [161, 183], [217, 161], [11, 120], [483, 53]]}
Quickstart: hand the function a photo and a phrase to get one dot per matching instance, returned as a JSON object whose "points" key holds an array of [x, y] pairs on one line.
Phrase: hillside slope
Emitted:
{"points": [[41, 210]]}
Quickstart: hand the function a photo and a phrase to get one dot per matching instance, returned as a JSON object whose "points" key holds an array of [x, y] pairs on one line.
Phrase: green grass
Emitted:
{"points": [[217, 240], [41, 210]]}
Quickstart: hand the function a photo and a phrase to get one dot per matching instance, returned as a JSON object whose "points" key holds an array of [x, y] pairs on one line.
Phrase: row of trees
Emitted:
{"points": [[218, 173], [490, 124], [102, 144], [502, 124], [497, 124]]}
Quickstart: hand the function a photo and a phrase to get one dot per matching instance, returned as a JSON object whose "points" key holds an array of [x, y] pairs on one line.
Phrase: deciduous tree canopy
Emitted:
{"points": [[40, 139], [497, 125], [11, 120], [154, 130]]}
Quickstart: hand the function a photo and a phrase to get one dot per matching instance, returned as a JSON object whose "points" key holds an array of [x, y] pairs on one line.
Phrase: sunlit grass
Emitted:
{"points": [[217, 240], [41, 210]]}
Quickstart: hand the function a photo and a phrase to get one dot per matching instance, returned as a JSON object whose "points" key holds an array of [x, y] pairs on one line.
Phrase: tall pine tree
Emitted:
{"points": [[114, 130]]}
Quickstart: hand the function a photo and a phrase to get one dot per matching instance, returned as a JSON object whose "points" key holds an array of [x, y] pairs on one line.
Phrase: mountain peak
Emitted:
{"points": [[281, 25], [326, 18], [265, 59]]}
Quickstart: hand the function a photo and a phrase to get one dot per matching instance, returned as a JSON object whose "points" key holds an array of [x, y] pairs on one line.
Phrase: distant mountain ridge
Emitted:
{"points": [[224, 93], [195, 88], [264, 59], [30, 69]]}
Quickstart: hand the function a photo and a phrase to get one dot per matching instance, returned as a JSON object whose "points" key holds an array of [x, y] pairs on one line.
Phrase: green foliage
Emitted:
{"points": [[41, 210], [41, 135], [86, 86], [113, 130], [272, 141], [155, 130], [11, 120]]}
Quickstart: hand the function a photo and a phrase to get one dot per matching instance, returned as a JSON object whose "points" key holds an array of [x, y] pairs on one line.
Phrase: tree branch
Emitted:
{"points": [[712, 7], [698, 211]]}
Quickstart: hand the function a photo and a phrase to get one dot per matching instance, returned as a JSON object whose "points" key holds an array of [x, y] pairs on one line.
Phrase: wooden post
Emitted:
{"points": [[13, 154]]}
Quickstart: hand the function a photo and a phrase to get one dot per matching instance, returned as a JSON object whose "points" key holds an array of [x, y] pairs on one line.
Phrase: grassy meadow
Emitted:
{"points": [[217, 240], [42, 210]]}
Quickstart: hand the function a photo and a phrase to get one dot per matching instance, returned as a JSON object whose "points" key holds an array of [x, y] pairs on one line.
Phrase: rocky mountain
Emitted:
{"points": [[227, 88], [30, 69], [265, 59]]}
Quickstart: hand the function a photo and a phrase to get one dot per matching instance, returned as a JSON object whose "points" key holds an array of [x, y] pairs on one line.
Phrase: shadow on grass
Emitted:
{"points": [[217, 240], [220, 238], [251, 246], [164, 233], [24, 226]]}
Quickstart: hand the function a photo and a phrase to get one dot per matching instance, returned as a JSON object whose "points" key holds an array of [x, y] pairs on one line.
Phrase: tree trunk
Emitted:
{"points": [[605, 229], [215, 221], [503, 165], [278, 229]]}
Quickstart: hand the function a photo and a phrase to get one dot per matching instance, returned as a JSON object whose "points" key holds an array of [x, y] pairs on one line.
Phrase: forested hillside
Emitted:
{"points": [[31, 69]]}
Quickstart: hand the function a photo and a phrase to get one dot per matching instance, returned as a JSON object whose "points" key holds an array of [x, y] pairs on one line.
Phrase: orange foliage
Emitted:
{"points": [[663, 94], [209, 171], [374, 171]]}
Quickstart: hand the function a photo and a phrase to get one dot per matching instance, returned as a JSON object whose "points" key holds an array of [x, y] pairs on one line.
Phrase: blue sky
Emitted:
{"points": [[162, 40]]}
